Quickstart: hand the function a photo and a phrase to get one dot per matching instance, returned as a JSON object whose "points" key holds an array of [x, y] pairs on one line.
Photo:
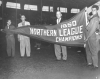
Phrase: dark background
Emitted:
{"points": [[40, 17]]}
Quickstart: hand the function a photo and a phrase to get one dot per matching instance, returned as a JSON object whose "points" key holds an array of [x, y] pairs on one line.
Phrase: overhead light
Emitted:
{"points": [[0, 2], [30, 7], [13, 5], [74, 10], [0, 18], [45, 8]]}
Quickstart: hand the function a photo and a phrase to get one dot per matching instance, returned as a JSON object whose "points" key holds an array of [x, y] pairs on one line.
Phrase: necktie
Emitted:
{"points": [[58, 21], [23, 23]]}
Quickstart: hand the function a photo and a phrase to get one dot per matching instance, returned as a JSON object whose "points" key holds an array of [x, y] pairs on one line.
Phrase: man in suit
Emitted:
{"points": [[24, 40], [59, 49], [92, 43], [10, 39]]}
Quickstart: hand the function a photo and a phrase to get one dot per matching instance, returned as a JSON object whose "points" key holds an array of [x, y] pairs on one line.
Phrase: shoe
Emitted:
{"points": [[89, 64], [21, 56], [38, 48], [64, 59], [78, 51], [95, 66], [28, 56]]}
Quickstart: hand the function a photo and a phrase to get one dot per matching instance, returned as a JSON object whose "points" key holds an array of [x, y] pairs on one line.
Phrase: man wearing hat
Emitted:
{"points": [[24, 40]]}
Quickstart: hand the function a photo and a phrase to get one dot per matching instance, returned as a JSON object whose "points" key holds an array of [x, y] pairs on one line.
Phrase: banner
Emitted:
{"points": [[69, 32]]}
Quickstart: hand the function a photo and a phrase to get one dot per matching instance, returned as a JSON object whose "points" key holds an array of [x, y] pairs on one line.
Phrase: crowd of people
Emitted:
{"points": [[91, 46]]}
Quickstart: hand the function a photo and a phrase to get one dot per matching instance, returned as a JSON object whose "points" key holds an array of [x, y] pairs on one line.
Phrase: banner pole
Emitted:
{"points": [[87, 22], [16, 13]]}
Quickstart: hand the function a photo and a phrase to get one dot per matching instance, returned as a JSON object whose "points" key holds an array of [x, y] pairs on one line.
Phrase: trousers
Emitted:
{"points": [[10, 45], [25, 44], [60, 50], [92, 51]]}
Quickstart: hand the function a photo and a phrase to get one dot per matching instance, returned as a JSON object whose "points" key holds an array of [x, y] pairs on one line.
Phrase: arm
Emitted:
{"points": [[19, 34], [28, 23], [4, 30]]}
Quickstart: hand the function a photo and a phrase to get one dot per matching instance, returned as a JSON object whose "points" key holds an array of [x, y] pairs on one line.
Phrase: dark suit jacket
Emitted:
{"points": [[61, 20]]}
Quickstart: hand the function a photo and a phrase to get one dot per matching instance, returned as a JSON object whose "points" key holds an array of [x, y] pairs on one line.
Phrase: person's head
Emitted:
{"points": [[9, 22], [23, 17], [95, 9], [58, 14]]}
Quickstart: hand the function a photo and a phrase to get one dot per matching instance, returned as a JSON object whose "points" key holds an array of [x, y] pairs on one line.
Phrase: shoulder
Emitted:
{"points": [[19, 23], [96, 18], [27, 22]]}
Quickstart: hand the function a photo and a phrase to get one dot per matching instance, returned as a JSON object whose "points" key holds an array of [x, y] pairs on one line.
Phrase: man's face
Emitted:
{"points": [[23, 18], [94, 11], [58, 15], [9, 22]]}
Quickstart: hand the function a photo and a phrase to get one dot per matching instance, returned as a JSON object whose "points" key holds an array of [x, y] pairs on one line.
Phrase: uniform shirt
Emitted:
{"points": [[9, 28], [93, 26], [22, 37]]}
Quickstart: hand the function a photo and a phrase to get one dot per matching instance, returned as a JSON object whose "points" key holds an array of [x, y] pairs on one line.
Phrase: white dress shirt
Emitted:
{"points": [[58, 20]]}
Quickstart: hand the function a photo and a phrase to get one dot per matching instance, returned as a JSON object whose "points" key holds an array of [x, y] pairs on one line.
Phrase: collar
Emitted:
{"points": [[22, 21], [59, 19], [96, 15]]}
